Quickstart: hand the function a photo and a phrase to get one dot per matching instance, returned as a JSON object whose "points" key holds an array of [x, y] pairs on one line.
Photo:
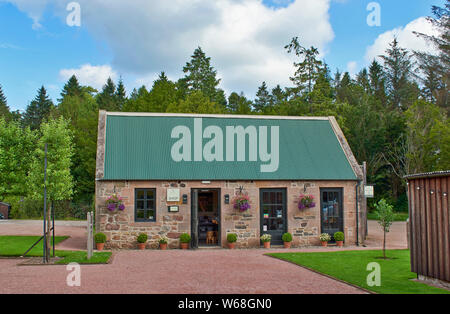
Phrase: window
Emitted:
{"points": [[145, 205]]}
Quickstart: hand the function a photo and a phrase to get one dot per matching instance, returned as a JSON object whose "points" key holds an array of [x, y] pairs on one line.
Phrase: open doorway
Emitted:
{"points": [[208, 213]]}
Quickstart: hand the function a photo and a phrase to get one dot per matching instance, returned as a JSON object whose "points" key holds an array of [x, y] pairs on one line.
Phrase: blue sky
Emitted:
{"points": [[137, 41]]}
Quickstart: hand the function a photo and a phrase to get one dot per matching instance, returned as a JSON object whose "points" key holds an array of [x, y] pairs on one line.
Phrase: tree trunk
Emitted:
{"points": [[384, 244]]}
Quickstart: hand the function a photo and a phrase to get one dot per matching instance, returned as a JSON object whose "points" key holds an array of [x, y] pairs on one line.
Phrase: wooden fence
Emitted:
{"points": [[429, 234]]}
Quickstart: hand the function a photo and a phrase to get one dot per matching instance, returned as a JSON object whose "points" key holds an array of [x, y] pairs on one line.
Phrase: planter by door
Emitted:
{"points": [[141, 246], [331, 211], [273, 213], [231, 245], [100, 246], [184, 246], [163, 246], [266, 245]]}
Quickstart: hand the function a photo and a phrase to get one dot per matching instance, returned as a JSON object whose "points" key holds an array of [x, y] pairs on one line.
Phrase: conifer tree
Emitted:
{"points": [[38, 110]]}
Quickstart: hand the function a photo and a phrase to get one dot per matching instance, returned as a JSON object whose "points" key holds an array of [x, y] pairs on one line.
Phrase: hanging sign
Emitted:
{"points": [[369, 191]]}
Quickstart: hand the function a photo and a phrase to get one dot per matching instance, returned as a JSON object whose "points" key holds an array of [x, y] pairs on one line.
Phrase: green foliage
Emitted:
{"points": [[16, 143], [266, 237], [100, 238], [231, 238], [325, 237], [339, 236], [385, 214], [39, 110], [185, 238], [142, 238], [58, 136], [287, 237]]}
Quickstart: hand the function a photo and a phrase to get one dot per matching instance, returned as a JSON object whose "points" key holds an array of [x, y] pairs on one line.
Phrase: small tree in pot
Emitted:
{"points": [[231, 238], [185, 238], [324, 239], [142, 239], [265, 239], [287, 240], [339, 238], [100, 239]]}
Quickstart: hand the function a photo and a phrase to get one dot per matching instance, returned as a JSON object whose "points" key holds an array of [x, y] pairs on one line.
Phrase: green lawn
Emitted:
{"points": [[350, 266], [397, 217], [11, 246]]}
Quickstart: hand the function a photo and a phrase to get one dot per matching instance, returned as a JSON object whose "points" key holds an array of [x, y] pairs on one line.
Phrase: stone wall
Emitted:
{"points": [[121, 229]]}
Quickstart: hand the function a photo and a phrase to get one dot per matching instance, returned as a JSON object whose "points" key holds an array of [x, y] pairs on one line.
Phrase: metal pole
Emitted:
{"points": [[53, 227], [45, 206]]}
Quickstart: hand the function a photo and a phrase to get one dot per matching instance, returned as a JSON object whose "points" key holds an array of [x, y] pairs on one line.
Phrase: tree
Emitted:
{"points": [[397, 65], [385, 216], [38, 110], [307, 70], [377, 83], [16, 143], [71, 88], [58, 136], [239, 104], [107, 99], [201, 76], [4, 109], [196, 102], [436, 68], [163, 93], [121, 95], [263, 99]]}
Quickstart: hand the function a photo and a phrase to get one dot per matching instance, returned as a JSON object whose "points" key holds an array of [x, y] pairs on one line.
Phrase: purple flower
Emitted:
{"points": [[121, 207], [111, 207], [312, 205]]}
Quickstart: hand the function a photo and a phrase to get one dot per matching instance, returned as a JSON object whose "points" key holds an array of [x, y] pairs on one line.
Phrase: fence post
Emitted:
{"points": [[90, 235]]}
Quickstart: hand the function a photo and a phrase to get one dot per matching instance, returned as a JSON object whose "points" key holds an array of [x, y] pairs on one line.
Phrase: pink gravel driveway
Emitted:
{"points": [[207, 271]]}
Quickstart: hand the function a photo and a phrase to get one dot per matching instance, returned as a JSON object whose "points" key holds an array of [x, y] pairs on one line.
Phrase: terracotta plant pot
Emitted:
{"points": [[340, 243], [287, 245], [266, 245], [324, 243], [100, 246], [141, 246], [184, 246], [231, 245], [163, 246]]}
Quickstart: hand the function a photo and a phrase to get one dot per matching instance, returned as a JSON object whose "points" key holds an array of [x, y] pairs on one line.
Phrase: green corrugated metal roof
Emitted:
{"points": [[139, 148]]}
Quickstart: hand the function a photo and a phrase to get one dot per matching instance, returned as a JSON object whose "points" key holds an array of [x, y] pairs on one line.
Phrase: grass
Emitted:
{"points": [[350, 266], [397, 217], [13, 246]]}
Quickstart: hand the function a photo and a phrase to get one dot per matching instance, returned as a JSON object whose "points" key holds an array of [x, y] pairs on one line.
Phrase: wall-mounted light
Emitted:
{"points": [[227, 199], [444, 194], [185, 198], [418, 188], [431, 192]]}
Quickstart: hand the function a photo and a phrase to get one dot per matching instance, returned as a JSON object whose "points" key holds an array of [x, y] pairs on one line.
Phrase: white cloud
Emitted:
{"points": [[87, 74], [244, 38], [352, 67], [406, 39]]}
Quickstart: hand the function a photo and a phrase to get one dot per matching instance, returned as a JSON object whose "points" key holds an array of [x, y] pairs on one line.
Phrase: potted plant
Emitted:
{"points": [[324, 239], [100, 239], [287, 240], [114, 202], [185, 238], [265, 239], [163, 240], [306, 201], [231, 238], [241, 202], [142, 239], [339, 238]]}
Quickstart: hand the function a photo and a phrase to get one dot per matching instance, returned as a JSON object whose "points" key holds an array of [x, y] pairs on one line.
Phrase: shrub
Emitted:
{"points": [[325, 237], [266, 237], [231, 237], [100, 238], [287, 237], [339, 236], [185, 238], [142, 238]]}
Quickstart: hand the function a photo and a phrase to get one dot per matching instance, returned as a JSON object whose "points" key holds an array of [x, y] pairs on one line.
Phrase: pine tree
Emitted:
{"points": [[107, 99], [38, 110], [201, 76], [307, 71], [377, 82], [121, 95], [4, 109], [239, 104], [71, 88], [397, 68], [263, 99]]}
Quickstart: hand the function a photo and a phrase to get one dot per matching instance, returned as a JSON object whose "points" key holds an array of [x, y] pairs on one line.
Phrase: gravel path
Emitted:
{"points": [[208, 271]]}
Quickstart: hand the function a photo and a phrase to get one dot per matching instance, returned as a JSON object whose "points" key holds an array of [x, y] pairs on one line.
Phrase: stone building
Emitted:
{"points": [[181, 173]]}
